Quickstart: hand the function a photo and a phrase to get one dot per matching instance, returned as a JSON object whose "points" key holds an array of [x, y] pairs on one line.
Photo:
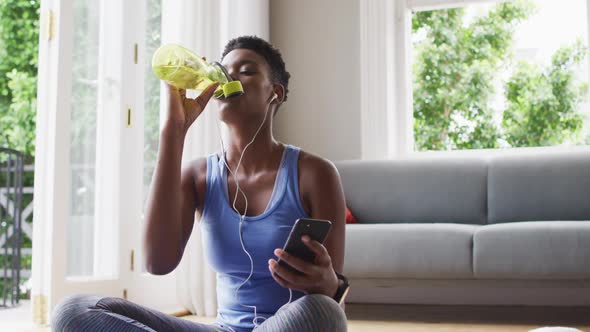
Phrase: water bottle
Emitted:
{"points": [[184, 69]]}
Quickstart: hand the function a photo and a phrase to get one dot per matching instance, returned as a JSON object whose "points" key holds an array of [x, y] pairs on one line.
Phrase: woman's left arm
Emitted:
{"points": [[321, 189], [326, 201]]}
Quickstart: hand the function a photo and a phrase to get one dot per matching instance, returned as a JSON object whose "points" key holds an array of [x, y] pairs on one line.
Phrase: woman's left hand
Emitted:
{"points": [[317, 278]]}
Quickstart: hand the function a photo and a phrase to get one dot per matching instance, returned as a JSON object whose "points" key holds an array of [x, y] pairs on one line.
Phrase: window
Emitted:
{"points": [[83, 138], [500, 75], [440, 75]]}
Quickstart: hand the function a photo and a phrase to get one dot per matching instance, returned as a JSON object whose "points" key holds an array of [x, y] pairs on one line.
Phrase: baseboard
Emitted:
{"points": [[471, 292]]}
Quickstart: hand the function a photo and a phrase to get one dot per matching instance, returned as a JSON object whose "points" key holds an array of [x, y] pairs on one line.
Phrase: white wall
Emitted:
{"points": [[319, 40]]}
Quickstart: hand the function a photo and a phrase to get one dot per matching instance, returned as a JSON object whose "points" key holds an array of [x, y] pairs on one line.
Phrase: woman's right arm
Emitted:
{"points": [[172, 197]]}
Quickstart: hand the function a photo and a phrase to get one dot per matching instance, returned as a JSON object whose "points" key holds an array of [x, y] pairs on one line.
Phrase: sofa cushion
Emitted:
{"points": [[540, 187], [417, 190], [533, 250], [424, 251]]}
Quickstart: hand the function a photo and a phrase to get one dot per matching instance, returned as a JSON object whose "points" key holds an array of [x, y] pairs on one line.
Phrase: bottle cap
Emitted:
{"points": [[233, 88], [218, 92]]}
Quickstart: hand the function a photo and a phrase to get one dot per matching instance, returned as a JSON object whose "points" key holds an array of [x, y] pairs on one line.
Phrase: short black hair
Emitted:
{"points": [[270, 53]]}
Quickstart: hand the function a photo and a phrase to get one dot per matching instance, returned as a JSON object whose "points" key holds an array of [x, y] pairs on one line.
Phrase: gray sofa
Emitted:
{"points": [[503, 229]]}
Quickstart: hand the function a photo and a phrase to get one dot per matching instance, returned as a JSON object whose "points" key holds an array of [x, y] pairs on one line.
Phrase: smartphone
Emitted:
{"points": [[317, 229]]}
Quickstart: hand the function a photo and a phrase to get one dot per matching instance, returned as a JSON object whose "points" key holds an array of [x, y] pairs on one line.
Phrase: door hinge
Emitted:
{"points": [[49, 25], [40, 309], [125, 293], [132, 265], [128, 117], [135, 51]]}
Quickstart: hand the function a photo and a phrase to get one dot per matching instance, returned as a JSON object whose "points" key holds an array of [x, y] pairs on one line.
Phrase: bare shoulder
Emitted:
{"points": [[199, 165], [318, 179], [195, 168], [314, 166]]}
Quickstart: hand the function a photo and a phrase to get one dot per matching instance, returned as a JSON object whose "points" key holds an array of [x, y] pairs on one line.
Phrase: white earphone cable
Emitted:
{"points": [[243, 215]]}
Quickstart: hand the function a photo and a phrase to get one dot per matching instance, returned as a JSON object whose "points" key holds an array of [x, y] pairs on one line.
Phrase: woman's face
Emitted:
{"points": [[254, 73]]}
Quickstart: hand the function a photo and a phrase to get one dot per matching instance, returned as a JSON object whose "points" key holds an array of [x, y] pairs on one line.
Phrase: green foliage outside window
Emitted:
{"points": [[454, 71], [19, 40]]}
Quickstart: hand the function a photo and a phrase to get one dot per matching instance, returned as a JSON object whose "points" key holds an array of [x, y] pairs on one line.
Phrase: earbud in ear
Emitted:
{"points": [[274, 97]]}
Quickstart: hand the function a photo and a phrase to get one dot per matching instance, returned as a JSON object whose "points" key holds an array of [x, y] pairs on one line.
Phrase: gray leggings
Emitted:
{"points": [[93, 313]]}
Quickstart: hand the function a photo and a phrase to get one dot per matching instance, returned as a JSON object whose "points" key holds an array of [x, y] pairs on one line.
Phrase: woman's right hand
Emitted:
{"points": [[183, 111]]}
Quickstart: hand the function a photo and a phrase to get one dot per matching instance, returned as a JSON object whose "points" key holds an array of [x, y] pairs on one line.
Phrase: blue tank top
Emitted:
{"points": [[261, 234]]}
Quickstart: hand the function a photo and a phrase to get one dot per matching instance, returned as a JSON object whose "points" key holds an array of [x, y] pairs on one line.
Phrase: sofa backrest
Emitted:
{"points": [[416, 190], [531, 186], [539, 187]]}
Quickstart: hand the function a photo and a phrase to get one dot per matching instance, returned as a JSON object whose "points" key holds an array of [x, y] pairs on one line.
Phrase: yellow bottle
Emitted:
{"points": [[186, 70]]}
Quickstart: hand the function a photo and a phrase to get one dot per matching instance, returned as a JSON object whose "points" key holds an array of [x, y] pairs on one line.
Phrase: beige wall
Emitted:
{"points": [[319, 40]]}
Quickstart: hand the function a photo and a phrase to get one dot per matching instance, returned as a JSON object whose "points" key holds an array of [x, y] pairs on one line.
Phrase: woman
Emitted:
{"points": [[248, 200]]}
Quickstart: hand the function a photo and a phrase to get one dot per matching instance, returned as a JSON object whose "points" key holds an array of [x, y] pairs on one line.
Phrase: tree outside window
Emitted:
{"points": [[478, 84]]}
